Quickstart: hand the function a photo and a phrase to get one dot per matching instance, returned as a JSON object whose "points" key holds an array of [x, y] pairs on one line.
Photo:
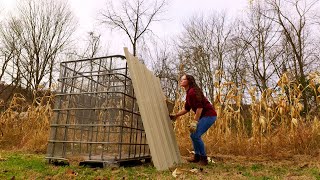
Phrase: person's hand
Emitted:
{"points": [[193, 126], [173, 117]]}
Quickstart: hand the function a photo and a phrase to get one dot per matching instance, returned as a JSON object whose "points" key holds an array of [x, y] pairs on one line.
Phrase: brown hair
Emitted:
{"points": [[192, 83]]}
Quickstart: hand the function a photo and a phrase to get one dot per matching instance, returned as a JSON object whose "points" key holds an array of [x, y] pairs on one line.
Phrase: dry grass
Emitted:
{"points": [[269, 126], [25, 125]]}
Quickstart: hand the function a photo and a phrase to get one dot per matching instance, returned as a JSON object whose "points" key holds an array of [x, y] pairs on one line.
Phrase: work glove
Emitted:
{"points": [[193, 126]]}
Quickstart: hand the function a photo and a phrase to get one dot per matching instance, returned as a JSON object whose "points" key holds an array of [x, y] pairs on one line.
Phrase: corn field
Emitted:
{"points": [[272, 123]]}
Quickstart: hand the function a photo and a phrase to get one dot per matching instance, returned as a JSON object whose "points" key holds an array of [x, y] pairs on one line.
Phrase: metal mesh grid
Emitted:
{"points": [[96, 116]]}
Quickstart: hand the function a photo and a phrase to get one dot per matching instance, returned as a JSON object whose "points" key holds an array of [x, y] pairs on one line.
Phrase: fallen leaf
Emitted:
{"points": [[176, 172], [71, 173], [210, 160], [194, 170]]}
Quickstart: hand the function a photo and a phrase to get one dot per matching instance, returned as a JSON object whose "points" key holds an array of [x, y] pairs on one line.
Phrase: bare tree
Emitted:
{"points": [[42, 29], [10, 53], [91, 48], [261, 38], [134, 18], [165, 67], [295, 26], [5, 60], [236, 68], [203, 47], [94, 45]]}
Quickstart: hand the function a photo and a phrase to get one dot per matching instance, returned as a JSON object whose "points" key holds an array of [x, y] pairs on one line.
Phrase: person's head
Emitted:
{"points": [[184, 82], [187, 81]]}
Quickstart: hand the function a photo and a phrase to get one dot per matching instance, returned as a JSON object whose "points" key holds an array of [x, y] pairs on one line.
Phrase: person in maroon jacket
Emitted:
{"points": [[205, 116]]}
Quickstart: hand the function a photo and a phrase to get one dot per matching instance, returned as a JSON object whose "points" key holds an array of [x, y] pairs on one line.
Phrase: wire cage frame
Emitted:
{"points": [[96, 116]]}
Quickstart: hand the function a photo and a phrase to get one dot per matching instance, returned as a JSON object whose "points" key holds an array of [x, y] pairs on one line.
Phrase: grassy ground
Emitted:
{"points": [[21, 165]]}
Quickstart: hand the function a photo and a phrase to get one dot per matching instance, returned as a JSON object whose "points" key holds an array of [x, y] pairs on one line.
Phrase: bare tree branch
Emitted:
{"points": [[134, 18]]}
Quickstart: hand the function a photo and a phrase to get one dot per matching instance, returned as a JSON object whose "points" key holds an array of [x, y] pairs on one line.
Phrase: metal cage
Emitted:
{"points": [[96, 116]]}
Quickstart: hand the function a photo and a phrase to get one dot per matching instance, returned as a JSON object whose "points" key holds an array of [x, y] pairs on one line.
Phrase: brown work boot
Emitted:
{"points": [[203, 160], [194, 159]]}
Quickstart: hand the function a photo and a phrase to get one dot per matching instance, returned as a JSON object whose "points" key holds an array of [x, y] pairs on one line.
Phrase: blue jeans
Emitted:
{"points": [[203, 125]]}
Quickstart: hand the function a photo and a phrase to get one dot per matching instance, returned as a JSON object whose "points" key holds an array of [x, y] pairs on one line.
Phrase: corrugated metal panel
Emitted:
{"points": [[154, 113]]}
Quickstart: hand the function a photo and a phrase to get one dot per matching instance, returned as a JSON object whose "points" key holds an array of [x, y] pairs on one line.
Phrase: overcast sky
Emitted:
{"points": [[177, 12]]}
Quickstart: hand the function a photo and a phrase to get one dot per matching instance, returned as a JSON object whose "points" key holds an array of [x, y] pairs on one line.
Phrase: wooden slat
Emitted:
{"points": [[154, 113]]}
